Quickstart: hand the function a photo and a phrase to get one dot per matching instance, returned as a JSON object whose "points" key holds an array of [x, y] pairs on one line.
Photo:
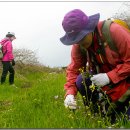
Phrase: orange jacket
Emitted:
{"points": [[120, 62]]}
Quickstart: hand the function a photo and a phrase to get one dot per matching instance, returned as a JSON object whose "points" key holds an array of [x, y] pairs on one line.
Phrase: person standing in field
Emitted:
{"points": [[110, 70], [8, 58]]}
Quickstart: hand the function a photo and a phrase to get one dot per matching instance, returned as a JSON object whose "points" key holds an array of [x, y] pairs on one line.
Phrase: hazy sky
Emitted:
{"points": [[37, 26]]}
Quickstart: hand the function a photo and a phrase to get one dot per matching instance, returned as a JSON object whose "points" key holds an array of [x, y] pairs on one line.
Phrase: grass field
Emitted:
{"points": [[36, 101]]}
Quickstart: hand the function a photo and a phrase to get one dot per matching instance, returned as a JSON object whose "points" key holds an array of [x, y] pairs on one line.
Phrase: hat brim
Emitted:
{"points": [[90, 27]]}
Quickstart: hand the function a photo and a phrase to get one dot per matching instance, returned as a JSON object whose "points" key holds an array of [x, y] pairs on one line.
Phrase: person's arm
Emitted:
{"points": [[122, 40], [77, 61], [9, 51]]}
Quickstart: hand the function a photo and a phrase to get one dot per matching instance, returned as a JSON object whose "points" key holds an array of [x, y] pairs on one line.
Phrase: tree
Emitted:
{"points": [[25, 56], [123, 12]]}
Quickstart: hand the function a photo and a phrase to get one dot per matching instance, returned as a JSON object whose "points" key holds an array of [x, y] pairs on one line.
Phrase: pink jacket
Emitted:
{"points": [[119, 61], [7, 49]]}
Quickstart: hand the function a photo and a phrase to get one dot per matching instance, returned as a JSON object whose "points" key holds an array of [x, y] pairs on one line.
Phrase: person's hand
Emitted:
{"points": [[13, 62], [70, 102], [100, 80]]}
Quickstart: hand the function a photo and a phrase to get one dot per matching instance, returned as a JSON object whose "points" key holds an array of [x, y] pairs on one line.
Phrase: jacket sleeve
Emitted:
{"points": [[121, 38], [77, 61], [9, 51]]}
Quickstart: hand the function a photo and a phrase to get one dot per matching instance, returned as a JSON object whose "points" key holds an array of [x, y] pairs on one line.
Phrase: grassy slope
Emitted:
{"points": [[37, 102]]}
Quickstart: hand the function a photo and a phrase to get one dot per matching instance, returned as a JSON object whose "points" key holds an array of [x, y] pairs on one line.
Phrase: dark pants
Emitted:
{"points": [[87, 94], [7, 66], [94, 97]]}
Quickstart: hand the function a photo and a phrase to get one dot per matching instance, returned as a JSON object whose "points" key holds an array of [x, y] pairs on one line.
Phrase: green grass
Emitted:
{"points": [[37, 102]]}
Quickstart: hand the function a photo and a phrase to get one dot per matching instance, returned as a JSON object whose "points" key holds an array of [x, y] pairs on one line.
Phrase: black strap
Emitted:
{"points": [[4, 53], [2, 50]]}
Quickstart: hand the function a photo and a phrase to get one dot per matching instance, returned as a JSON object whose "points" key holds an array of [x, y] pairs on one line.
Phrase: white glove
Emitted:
{"points": [[70, 102], [100, 79]]}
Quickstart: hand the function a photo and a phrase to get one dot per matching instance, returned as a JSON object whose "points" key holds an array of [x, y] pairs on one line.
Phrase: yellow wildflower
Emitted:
{"points": [[92, 87]]}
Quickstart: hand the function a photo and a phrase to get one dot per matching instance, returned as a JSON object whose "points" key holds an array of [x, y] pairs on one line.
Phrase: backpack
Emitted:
{"points": [[1, 51], [106, 31]]}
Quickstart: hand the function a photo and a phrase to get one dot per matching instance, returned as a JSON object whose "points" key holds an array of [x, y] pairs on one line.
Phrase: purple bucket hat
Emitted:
{"points": [[77, 25]]}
